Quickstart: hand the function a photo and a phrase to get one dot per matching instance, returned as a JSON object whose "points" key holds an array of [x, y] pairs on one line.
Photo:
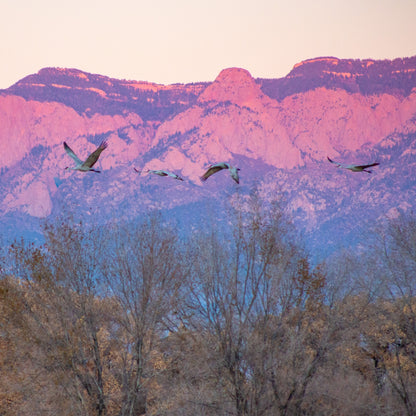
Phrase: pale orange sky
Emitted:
{"points": [[169, 41]]}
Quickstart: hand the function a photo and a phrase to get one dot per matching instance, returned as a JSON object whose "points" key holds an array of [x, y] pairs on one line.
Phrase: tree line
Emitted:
{"points": [[137, 320]]}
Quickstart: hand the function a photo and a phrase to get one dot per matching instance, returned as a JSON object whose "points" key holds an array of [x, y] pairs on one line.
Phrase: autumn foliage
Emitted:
{"points": [[136, 320]]}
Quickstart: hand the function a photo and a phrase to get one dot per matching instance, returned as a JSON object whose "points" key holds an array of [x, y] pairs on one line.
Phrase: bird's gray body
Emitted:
{"points": [[161, 173]]}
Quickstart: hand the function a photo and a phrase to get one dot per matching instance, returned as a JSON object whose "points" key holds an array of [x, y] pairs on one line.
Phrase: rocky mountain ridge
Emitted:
{"points": [[91, 93], [366, 76], [98, 93], [279, 139]]}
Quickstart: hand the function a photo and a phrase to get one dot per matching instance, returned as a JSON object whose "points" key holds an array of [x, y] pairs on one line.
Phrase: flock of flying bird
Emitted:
{"points": [[87, 165]]}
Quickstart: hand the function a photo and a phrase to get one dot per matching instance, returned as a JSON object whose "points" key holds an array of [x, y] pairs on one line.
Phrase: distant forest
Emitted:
{"points": [[135, 320]]}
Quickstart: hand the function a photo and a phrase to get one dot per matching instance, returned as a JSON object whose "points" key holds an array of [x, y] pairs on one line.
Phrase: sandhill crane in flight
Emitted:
{"points": [[161, 173], [355, 168], [90, 162], [219, 166]]}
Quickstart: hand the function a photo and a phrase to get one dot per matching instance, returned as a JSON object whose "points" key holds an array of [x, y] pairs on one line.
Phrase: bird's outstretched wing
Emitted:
{"points": [[58, 181], [234, 174], [93, 157], [335, 163], [367, 166], [211, 170], [71, 153]]}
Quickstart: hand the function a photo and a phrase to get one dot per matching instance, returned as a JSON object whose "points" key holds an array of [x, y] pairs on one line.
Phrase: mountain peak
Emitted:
{"points": [[235, 85], [55, 71], [323, 60], [234, 75]]}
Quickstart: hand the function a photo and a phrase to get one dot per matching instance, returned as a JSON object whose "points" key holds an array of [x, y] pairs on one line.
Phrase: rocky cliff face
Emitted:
{"points": [[279, 132]]}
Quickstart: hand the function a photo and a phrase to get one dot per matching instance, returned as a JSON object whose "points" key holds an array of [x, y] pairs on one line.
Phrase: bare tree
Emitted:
{"points": [[61, 314], [257, 304], [144, 273], [394, 346]]}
